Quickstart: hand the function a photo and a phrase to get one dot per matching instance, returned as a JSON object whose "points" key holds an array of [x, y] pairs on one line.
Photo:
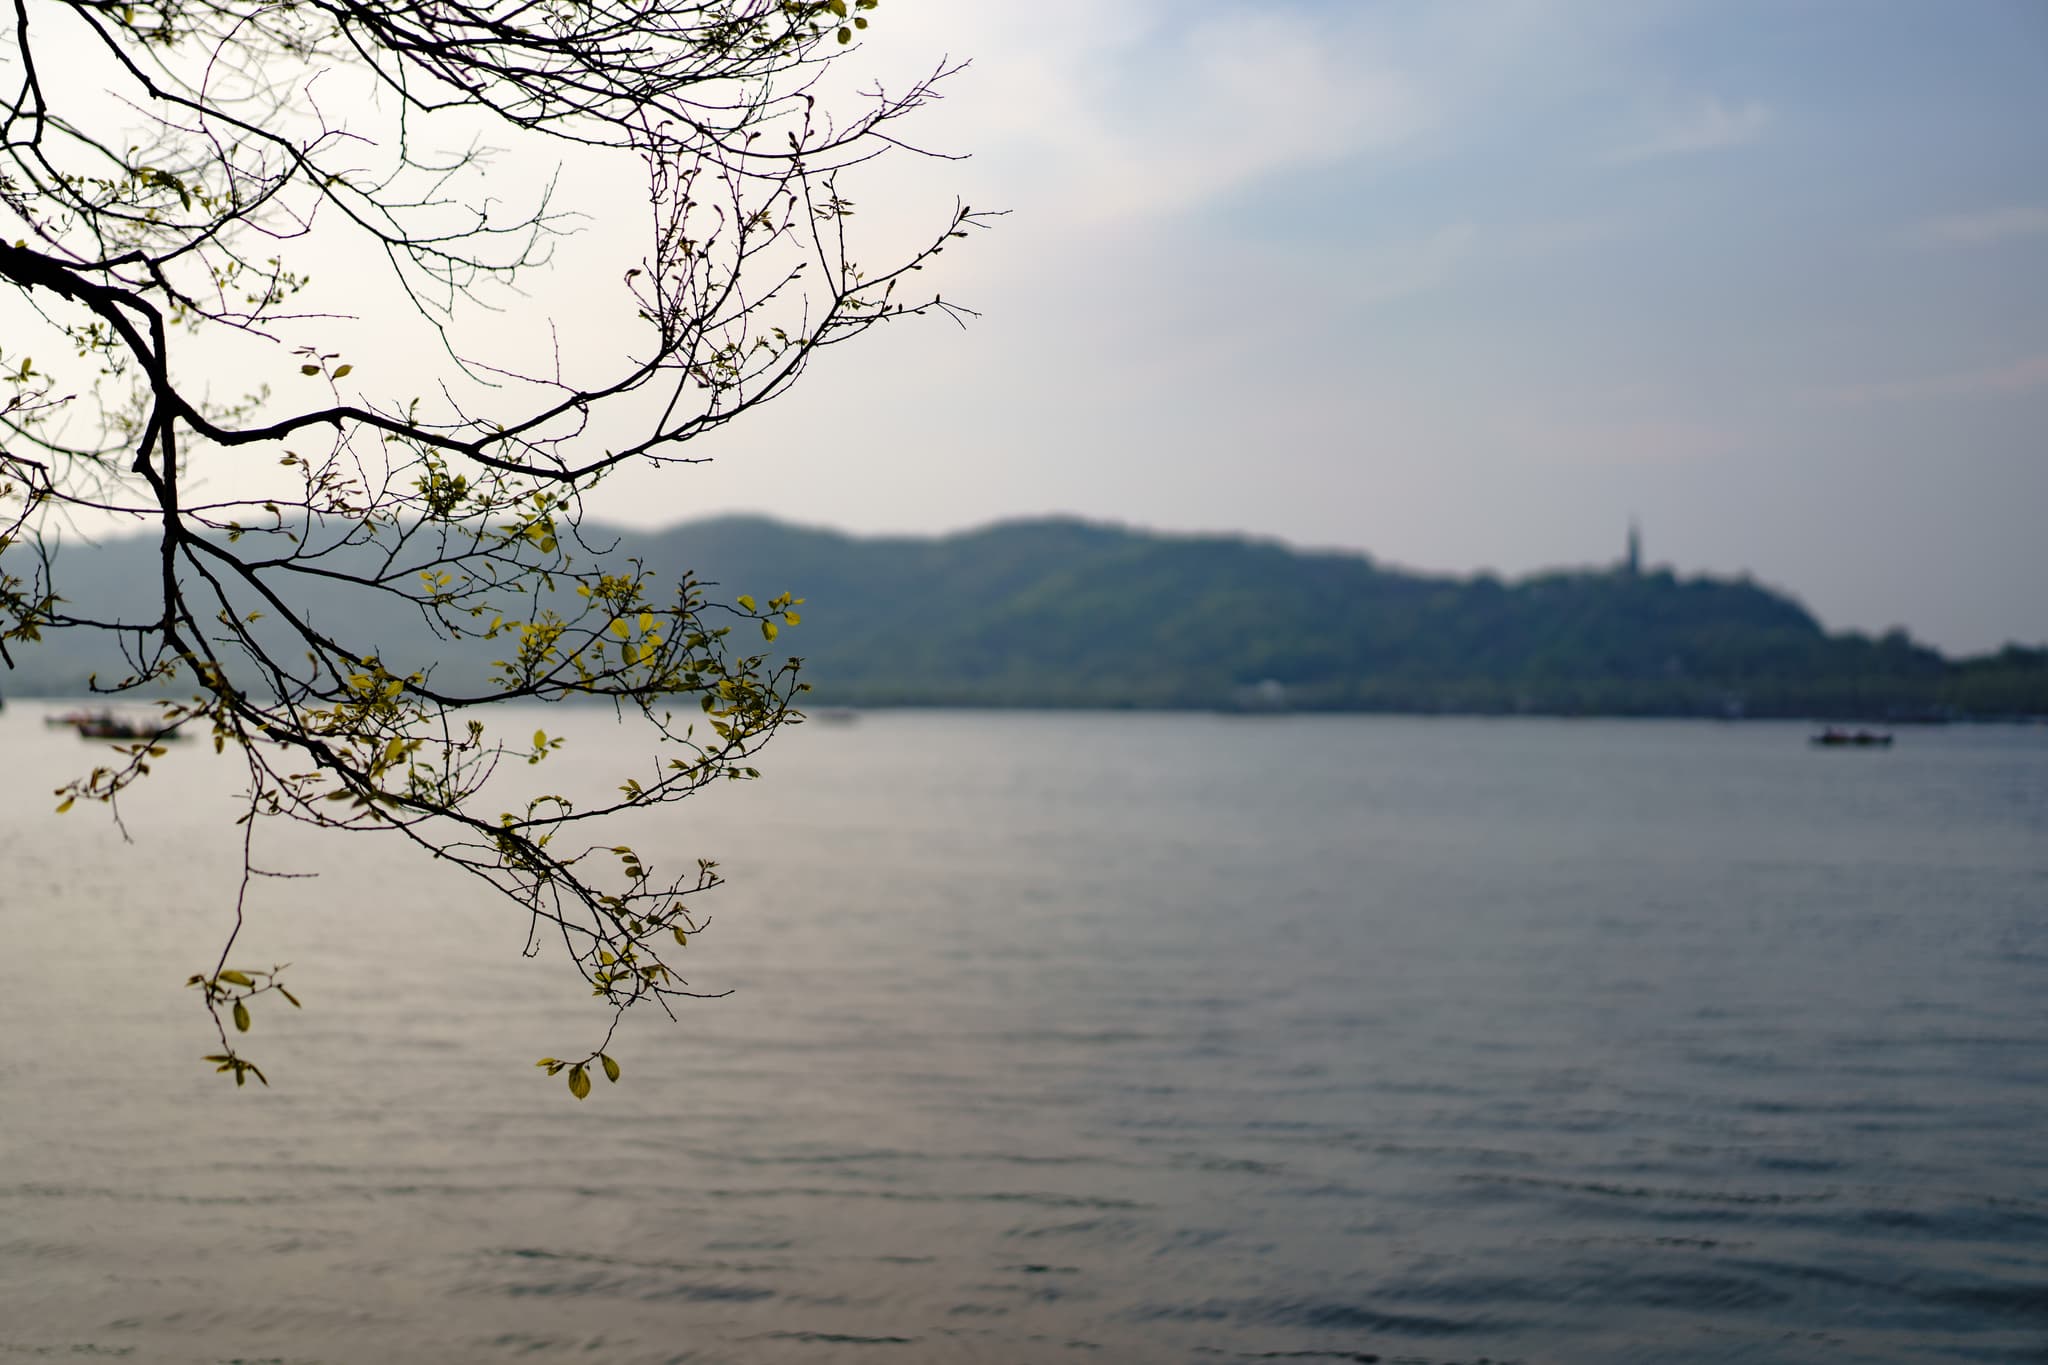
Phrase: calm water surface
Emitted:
{"points": [[1064, 1038]]}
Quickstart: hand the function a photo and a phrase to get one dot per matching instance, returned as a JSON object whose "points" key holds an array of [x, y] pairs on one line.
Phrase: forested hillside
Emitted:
{"points": [[1068, 613]]}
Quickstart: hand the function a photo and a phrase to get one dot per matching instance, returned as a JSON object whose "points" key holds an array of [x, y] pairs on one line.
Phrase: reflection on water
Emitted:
{"points": [[1125, 1038]]}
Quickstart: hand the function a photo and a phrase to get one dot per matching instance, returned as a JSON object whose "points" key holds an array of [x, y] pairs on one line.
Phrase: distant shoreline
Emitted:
{"points": [[1061, 614], [835, 710]]}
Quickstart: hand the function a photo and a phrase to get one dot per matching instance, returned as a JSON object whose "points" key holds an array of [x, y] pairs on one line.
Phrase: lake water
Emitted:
{"points": [[1074, 1038]]}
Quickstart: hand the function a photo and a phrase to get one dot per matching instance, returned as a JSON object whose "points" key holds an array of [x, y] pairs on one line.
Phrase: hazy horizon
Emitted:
{"points": [[1594, 560], [1467, 288]]}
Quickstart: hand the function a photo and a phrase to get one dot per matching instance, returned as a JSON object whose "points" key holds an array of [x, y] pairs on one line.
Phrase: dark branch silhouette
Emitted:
{"points": [[174, 210]]}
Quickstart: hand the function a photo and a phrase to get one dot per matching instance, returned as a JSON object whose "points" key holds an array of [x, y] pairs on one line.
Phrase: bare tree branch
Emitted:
{"points": [[179, 210]]}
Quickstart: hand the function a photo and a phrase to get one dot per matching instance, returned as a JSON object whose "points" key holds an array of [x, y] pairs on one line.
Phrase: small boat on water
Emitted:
{"points": [[1831, 738], [107, 725]]}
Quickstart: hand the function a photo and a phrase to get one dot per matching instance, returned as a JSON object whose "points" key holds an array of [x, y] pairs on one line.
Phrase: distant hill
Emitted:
{"points": [[1068, 613]]}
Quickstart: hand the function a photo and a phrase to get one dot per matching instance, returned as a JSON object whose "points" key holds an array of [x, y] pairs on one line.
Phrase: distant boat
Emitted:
{"points": [[1831, 738], [107, 725]]}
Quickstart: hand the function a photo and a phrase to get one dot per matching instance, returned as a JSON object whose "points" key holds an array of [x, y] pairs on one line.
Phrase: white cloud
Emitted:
{"points": [[1124, 112], [1981, 229], [1709, 127]]}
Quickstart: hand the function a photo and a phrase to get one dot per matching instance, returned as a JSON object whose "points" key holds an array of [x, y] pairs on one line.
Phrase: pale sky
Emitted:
{"points": [[1468, 286], [1463, 285]]}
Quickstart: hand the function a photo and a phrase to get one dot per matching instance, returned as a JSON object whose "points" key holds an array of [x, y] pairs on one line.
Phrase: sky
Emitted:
{"points": [[1469, 286], [1466, 286]]}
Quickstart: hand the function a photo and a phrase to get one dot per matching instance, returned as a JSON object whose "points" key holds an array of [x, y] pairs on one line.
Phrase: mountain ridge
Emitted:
{"points": [[1063, 611]]}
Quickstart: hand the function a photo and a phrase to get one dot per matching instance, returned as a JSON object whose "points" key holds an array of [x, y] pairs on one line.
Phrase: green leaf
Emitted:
{"points": [[579, 1081], [341, 371], [682, 939], [309, 369], [241, 1017], [289, 996], [611, 1068], [237, 978]]}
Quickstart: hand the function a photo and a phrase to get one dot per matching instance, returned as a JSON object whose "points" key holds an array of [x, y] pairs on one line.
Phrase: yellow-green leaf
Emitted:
{"points": [[341, 371], [682, 939], [611, 1068], [768, 630], [746, 602], [579, 1081], [309, 369], [237, 978], [540, 739], [241, 1017]]}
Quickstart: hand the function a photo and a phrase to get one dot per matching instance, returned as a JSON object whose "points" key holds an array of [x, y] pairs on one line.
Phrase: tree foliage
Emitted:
{"points": [[177, 172]]}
